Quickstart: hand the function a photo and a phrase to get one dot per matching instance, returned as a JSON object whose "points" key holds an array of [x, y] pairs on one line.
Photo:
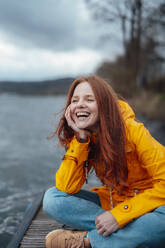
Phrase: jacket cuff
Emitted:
{"points": [[78, 150], [122, 213]]}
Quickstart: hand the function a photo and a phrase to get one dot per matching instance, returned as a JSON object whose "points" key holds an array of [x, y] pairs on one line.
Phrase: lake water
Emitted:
{"points": [[28, 161]]}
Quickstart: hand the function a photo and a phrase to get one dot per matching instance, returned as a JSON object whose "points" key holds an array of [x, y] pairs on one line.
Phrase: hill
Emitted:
{"points": [[46, 87]]}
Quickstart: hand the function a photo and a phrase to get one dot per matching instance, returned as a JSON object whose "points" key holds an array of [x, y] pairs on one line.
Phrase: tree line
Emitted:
{"points": [[142, 27]]}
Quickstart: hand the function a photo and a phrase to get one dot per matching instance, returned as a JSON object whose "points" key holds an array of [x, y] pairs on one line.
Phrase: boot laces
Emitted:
{"points": [[75, 241]]}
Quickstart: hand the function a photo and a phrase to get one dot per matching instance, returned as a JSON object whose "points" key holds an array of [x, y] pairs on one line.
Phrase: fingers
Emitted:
{"points": [[70, 121], [107, 233], [103, 230], [106, 224], [97, 220], [68, 115], [100, 227]]}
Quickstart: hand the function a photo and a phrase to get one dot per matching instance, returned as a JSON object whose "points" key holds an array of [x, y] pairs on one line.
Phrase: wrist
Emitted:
{"points": [[82, 138]]}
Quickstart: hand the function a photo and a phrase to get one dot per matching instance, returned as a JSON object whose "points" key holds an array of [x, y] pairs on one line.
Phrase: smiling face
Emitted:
{"points": [[84, 107]]}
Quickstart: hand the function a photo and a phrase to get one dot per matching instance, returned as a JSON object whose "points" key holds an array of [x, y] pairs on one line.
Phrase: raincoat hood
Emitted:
{"points": [[126, 111]]}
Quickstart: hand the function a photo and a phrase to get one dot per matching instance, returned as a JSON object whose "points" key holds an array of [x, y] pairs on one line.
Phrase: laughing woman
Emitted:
{"points": [[100, 132]]}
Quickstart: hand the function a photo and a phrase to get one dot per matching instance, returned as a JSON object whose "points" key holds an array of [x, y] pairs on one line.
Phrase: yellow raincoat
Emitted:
{"points": [[146, 172]]}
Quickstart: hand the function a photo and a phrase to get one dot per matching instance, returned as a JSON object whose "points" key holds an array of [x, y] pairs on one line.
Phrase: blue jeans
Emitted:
{"points": [[80, 210]]}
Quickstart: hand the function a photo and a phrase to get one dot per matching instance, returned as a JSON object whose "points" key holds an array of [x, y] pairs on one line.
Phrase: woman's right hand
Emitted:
{"points": [[81, 134]]}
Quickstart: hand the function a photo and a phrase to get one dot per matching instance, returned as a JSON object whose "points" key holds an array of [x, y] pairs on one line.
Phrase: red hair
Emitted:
{"points": [[110, 148]]}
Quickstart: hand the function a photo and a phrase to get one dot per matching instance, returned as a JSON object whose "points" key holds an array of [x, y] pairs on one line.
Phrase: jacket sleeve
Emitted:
{"points": [[71, 175], [151, 156]]}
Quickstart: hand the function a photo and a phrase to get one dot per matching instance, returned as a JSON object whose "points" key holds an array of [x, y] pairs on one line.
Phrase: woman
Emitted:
{"points": [[100, 133]]}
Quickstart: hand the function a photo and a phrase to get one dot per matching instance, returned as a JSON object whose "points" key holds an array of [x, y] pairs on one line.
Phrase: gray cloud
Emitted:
{"points": [[57, 25]]}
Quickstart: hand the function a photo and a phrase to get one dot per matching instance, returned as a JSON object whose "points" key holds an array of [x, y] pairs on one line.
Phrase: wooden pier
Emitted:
{"points": [[39, 228], [34, 227]]}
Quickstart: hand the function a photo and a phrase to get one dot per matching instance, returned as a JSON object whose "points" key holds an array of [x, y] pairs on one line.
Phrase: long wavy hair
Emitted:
{"points": [[109, 151]]}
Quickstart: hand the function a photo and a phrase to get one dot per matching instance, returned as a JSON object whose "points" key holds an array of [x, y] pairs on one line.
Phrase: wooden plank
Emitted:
{"points": [[39, 228], [35, 226], [29, 215]]}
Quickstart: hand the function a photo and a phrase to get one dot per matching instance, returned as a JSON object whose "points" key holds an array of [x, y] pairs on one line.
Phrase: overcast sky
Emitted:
{"points": [[42, 39]]}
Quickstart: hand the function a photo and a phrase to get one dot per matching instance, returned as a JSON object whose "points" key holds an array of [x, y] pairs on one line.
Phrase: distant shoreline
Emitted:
{"points": [[148, 104], [47, 87]]}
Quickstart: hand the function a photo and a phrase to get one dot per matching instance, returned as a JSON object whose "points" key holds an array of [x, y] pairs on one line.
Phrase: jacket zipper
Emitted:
{"points": [[86, 171], [135, 192], [111, 198]]}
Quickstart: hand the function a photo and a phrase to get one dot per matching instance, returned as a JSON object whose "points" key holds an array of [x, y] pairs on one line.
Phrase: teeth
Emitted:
{"points": [[82, 114]]}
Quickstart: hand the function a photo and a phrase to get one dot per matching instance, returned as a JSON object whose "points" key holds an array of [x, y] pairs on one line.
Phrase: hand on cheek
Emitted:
{"points": [[81, 134]]}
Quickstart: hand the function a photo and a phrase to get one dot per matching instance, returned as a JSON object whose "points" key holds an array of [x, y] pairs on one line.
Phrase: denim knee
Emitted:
{"points": [[54, 203]]}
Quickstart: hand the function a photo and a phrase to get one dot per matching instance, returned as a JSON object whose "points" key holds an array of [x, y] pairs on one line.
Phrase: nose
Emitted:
{"points": [[81, 103]]}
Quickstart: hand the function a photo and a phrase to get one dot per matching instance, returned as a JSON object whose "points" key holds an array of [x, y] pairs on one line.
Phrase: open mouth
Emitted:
{"points": [[82, 115]]}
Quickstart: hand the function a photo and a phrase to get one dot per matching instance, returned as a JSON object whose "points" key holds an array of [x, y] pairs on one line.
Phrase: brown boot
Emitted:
{"points": [[67, 239]]}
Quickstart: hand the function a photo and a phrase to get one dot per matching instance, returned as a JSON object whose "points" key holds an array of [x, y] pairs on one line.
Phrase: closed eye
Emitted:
{"points": [[74, 100]]}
